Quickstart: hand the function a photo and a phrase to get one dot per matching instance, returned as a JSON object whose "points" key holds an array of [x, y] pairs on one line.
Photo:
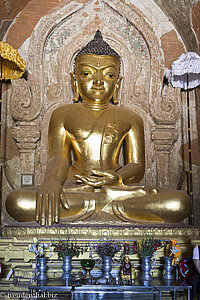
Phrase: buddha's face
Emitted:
{"points": [[97, 76]]}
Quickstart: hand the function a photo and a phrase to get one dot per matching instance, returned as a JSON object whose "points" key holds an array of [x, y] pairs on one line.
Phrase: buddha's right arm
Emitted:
{"points": [[57, 169], [49, 194], [59, 153]]}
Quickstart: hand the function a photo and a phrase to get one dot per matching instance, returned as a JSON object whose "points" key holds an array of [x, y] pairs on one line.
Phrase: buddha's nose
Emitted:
{"points": [[98, 80]]}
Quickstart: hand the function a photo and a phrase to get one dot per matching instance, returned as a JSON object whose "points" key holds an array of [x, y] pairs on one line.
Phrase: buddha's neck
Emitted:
{"points": [[95, 105]]}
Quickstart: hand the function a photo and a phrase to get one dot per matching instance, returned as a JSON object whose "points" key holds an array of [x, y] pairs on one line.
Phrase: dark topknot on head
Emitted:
{"points": [[97, 46]]}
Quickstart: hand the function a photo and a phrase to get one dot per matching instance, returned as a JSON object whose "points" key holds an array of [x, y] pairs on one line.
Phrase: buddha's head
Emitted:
{"points": [[96, 77]]}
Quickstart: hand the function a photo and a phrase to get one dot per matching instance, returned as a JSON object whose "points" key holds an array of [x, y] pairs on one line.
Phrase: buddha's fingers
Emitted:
{"points": [[94, 181], [109, 177], [57, 201], [83, 179], [43, 209], [38, 207], [64, 202], [100, 183], [86, 178], [103, 173], [56, 208], [79, 178], [97, 183], [50, 209], [79, 181]]}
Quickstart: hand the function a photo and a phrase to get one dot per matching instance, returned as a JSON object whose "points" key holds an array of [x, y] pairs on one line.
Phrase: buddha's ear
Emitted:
{"points": [[116, 90], [74, 87]]}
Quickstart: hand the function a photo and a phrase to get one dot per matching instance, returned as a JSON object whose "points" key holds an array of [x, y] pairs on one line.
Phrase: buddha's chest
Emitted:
{"points": [[107, 133], [95, 128]]}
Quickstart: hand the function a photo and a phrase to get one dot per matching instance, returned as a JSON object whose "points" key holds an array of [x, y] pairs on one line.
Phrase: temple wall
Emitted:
{"points": [[48, 34]]}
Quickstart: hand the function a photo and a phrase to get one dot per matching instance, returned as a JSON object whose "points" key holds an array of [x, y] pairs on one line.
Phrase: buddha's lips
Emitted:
{"points": [[96, 89]]}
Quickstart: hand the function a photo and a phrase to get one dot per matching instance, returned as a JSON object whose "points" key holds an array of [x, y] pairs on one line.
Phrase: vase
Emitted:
{"points": [[146, 268], [67, 266], [168, 268], [107, 267], [42, 268], [87, 265]]}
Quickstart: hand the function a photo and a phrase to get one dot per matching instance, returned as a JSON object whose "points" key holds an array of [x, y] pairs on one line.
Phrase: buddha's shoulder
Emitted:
{"points": [[128, 113], [66, 109]]}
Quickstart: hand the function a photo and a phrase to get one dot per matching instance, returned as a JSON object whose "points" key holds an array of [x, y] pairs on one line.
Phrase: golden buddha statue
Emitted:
{"points": [[90, 183]]}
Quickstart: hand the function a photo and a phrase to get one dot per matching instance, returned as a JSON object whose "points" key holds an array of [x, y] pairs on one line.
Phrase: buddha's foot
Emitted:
{"points": [[126, 192]]}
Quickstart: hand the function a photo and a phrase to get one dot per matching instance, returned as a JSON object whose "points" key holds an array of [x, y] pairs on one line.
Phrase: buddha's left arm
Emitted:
{"points": [[133, 171]]}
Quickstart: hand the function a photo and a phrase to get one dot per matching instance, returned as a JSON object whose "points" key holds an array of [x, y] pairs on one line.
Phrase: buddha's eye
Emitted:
{"points": [[109, 75], [86, 73]]}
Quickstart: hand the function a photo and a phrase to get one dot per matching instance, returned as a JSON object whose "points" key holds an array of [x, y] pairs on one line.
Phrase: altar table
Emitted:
{"points": [[154, 289]]}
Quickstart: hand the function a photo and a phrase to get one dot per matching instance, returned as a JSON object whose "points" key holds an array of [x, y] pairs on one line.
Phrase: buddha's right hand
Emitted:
{"points": [[48, 199]]}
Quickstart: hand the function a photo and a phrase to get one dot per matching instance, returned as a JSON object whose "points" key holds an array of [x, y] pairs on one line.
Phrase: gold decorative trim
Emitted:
{"points": [[12, 65], [96, 232]]}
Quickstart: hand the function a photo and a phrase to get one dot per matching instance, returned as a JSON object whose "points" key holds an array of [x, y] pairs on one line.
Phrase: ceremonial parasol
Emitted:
{"points": [[11, 63], [12, 66], [185, 74]]}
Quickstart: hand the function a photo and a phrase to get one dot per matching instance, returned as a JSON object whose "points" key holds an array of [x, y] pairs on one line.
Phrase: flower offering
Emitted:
{"points": [[147, 246], [175, 251], [39, 248], [68, 247], [108, 247]]}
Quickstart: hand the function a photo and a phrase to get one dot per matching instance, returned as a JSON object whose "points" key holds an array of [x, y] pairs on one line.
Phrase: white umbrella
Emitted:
{"points": [[185, 71], [185, 74]]}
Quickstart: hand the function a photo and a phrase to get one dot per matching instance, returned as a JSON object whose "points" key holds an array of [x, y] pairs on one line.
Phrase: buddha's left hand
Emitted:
{"points": [[101, 178]]}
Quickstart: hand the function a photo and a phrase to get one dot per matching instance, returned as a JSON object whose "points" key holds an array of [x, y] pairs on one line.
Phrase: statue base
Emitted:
{"points": [[97, 230]]}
